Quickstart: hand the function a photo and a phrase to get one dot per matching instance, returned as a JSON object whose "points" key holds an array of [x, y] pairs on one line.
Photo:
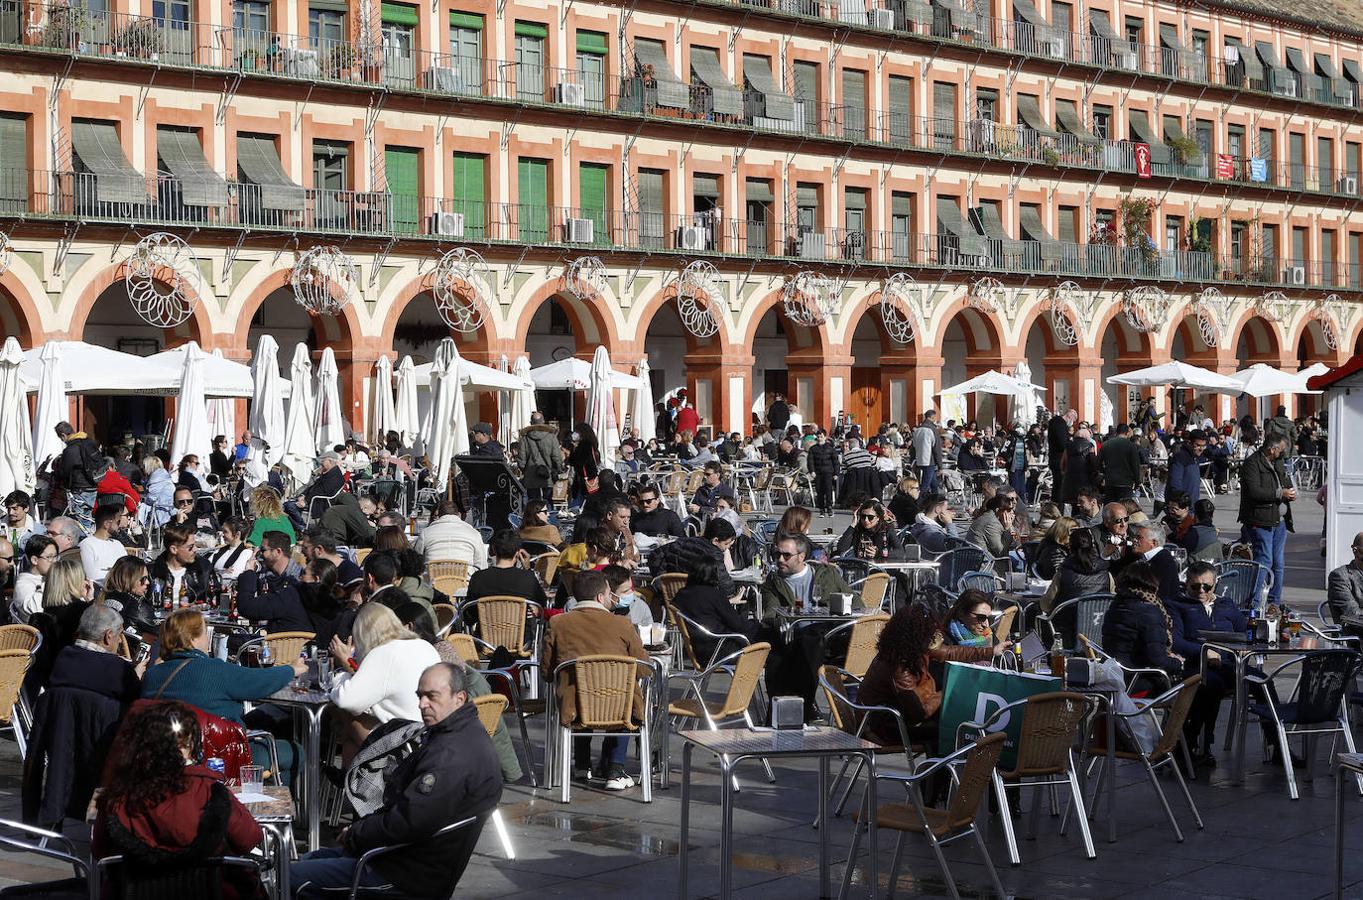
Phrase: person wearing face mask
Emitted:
{"points": [[623, 600]]}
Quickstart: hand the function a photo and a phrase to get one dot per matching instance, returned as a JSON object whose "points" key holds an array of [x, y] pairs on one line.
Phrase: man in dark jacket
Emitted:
{"points": [[1120, 461], [1264, 487], [653, 518], [483, 443], [350, 521], [541, 457], [1081, 466], [778, 414], [329, 480], [822, 458], [80, 463], [184, 573], [1198, 609], [267, 594], [452, 775], [1282, 426], [1057, 439], [682, 554], [1185, 467]]}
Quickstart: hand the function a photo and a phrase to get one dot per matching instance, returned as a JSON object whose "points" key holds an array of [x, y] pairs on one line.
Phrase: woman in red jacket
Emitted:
{"points": [[160, 806]]}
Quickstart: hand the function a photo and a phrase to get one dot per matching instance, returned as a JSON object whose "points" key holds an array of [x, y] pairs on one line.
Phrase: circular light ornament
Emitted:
{"points": [[325, 280], [809, 298], [1145, 307], [1064, 312], [586, 277], [160, 278], [462, 289], [900, 302], [698, 295]]}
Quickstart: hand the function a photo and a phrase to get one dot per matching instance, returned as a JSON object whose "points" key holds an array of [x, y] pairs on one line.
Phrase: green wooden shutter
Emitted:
{"points": [[651, 206], [593, 42], [398, 14], [533, 199], [465, 20], [591, 186], [470, 192], [13, 163], [402, 165]]}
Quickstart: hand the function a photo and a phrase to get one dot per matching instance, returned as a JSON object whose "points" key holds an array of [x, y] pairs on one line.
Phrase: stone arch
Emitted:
{"points": [[341, 332], [799, 336], [1265, 338], [983, 332], [592, 326], [668, 294], [18, 314], [197, 327], [479, 342]]}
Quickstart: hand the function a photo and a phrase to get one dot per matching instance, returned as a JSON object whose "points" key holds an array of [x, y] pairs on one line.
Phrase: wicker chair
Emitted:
{"points": [[744, 669], [501, 623], [874, 589], [686, 631], [444, 617], [861, 643], [1176, 702], [604, 687], [286, 646], [361, 554], [545, 566], [441, 568], [450, 585], [1051, 727], [668, 584], [464, 645], [13, 667], [490, 709], [940, 826], [19, 637]]}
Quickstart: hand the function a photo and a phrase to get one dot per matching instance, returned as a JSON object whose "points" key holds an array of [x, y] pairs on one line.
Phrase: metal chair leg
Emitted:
{"points": [[565, 750], [1285, 751], [1001, 798], [851, 860], [771, 776], [1187, 795], [646, 762], [894, 865], [1164, 801], [988, 862], [1081, 813], [1034, 814], [502, 834]]}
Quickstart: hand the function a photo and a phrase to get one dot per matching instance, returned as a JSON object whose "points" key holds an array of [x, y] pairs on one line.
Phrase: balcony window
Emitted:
{"points": [[469, 196], [765, 104], [402, 168], [265, 193], [174, 39], [592, 53], [713, 93], [532, 214], [806, 76], [330, 183], [14, 174], [592, 191], [251, 34], [193, 186], [853, 104], [854, 224], [398, 33], [651, 205], [1296, 160], [944, 115], [462, 71], [530, 61], [1328, 262], [106, 183], [1325, 164], [901, 226], [758, 202], [657, 85], [809, 240]]}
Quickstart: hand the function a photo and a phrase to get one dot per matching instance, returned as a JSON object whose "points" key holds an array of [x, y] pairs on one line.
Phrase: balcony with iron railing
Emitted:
{"points": [[84, 197]]}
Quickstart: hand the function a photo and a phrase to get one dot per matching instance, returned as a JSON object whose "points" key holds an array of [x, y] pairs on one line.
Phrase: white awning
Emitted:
{"points": [[993, 382], [576, 374], [1179, 374], [471, 374]]}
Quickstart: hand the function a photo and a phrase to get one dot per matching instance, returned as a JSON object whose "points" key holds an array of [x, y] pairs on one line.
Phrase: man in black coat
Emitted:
{"points": [[452, 775], [823, 465], [268, 594], [328, 482], [653, 518], [1120, 461], [778, 414], [1147, 543], [1264, 488], [1057, 439]]}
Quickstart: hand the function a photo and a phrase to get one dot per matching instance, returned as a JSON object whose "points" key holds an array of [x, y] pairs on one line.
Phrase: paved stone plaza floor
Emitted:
{"points": [[1256, 844]]}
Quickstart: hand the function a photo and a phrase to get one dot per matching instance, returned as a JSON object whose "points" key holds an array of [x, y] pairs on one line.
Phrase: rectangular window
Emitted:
{"points": [[171, 18], [807, 94], [1235, 145], [1237, 247], [652, 207], [532, 202], [1173, 234], [809, 242], [14, 175], [1329, 264], [1296, 159], [1299, 238], [1268, 254], [1067, 225], [251, 34], [1355, 260], [854, 214], [853, 104], [330, 183], [592, 51], [466, 56], [402, 166], [470, 193], [326, 35], [1134, 29], [901, 225], [986, 104], [530, 61], [944, 114], [1102, 122], [1353, 163], [900, 124], [398, 34], [758, 199], [1325, 164], [592, 191]]}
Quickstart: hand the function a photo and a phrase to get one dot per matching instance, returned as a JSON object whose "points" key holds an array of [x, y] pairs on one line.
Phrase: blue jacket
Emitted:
{"points": [[158, 497], [1184, 474], [213, 685], [1190, 618]]}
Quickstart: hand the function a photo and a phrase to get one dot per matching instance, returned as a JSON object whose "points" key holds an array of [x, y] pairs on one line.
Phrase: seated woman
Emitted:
{"points": [[187, 673], [66, 596], [380, 666], [160, 807], [904, 503], [1138, 631], [1055, 547], [267, 514], [126, 590], [898, 677], [704, 602], [872, 537], [967, 635], [322, 598], [234, 556], [535, 525], [1082, 572]]}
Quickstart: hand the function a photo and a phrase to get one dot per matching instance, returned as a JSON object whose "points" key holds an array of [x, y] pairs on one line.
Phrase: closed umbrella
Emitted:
{"points": [[1029, 398], [448, 431], [222, 411], [16, 448], [406, 418], [381, 411], [267, 399], [192, 431], [642, 412], [300, 437], [523, 398], [601, 406], [327, 418], [52, 406]]}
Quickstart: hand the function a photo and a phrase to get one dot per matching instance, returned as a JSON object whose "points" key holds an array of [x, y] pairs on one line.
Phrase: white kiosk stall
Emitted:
{"points": [[1343, 389]]}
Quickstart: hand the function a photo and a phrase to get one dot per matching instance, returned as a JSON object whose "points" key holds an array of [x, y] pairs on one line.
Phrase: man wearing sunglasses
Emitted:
{"points": [[653, 518], [1196, 611], [1111, 533]]}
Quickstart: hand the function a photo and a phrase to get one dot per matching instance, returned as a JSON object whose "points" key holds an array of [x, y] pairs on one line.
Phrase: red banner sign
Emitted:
{"points": [[1225, 166], [1142, 152]]}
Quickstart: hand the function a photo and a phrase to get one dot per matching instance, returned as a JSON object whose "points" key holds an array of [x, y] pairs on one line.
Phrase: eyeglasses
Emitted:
{"points": [[869, 517], [144, 580], [781, 554], [647, 500], [1202, 588], [184, 502], [980, 618]]}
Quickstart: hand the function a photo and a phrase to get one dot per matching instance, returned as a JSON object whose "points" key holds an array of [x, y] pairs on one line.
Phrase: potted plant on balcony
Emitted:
{"points": [[1135, 215], [64, 27], [1050, 156], [337, 60], [139, 39], [1186, 148]]}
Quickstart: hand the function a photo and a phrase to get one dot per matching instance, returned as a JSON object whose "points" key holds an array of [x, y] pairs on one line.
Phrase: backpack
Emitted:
{"points": [[386, 746]]}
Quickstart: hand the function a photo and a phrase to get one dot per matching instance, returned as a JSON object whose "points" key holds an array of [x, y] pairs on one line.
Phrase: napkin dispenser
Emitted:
{"points": [[787, 713], [840, 604]]}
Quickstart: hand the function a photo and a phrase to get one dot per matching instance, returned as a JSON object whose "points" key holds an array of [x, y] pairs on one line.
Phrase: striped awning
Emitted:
{"points": [[727, 100], [258, 163], [672, 92], [181, 153], [757, 72], [116, 181]]}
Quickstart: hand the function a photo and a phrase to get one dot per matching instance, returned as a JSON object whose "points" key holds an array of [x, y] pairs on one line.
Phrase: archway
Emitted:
{"points": [[788, 359], [1312, 349], [1124, 349], [679, 359], [14, 320], [1188, 346], [417, 333], [558, 326], [970, 346], [1257, 342], [1054, 365]]}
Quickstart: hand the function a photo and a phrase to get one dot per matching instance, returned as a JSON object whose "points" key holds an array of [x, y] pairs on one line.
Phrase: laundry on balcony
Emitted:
{"points": [[96, 146], [1242, 65], [774, 103], [181, 153], [259, 166], [651, 60], [726, 100]]}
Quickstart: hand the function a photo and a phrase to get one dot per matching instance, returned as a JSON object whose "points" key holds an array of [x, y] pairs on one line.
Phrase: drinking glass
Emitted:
{"points": [[252, 779]]}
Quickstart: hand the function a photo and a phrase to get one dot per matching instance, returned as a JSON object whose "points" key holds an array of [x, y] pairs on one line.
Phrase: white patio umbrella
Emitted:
{"points": [[406, 418], [1261, 380], [222, 411], [1028, 400], [448, 431], [267, 399], [300, 437], [222, 377], [192, 431], [16, 448], [573, 374], [98, 371], [327, 418], [642, 410], [1312, 371], [601, 407], [381, 408], [522, 399], [52, 406], [1178, 374], [993, 382]]}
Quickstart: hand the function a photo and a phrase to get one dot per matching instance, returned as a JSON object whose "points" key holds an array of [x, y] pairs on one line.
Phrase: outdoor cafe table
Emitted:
{"points": [[311, 703], [735, 745], [1346, 764], [787, 619], [1242, 654]]}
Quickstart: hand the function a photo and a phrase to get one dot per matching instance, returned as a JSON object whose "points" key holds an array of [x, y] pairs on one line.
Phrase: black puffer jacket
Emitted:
{"points": [[823, 459], [1137, 634], [1261, 479]]}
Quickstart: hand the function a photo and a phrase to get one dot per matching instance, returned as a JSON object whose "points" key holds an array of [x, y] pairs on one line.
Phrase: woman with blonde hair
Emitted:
{"points": [[268, 512], [380, 666], [66, 596]]}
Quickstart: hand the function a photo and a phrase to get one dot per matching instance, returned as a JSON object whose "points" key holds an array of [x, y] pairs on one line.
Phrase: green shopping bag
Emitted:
{"points": [[975, 692]]}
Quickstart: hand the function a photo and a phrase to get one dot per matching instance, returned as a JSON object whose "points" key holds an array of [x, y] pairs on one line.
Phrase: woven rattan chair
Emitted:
{"points": [[19, 637], [450, 585], [501, 623], [744, 669], [1051, 727], [976, 763], [444, 616], [464, 645], [490, 709], [13, 667], [861, 642], [361, 554], [874, 589], [604, 687], [545, 566], [669, 584], [286, 646], [686, 630], [1004, 626], [440, 568], [1176, 703]]}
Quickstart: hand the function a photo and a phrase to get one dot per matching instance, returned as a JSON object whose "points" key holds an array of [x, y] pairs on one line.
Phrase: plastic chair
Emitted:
{"points": [[1317, 706], [987, 583], [1051, 727], [1090, 610], [955, 563], [604, 687], [1176, 701], [490, 708], [140, 882], [744, 669], [940, 826]]}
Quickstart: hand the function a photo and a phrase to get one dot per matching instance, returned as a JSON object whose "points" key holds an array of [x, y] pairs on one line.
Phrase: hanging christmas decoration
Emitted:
{"points": [[6, 253], [900, 307], [586, 277], [1275, 307], [462, 289], [1213, 310], [809, 298], [1064, 311], [325, 280], [1324, 314], [1145, 307], [161, 277], [986, 294], [698, 295]]}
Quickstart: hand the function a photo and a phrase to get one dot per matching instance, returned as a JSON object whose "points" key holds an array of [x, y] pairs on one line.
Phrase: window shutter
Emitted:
{"points": [[533, 187], [13, 162], [470, 191], [531, 29], [400, 166]]}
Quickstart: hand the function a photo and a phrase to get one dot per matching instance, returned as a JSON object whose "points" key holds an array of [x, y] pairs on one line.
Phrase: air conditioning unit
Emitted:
{"points": [[447, 224], [1347, 185], [570, 94], [882, 18], [691, 237], [1053, 47], [578, 231], [812, 245], [445, 80], [1295, 275], [1126, 59]]}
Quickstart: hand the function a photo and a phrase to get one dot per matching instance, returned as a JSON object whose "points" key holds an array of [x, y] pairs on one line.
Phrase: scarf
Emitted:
{"points": [[1151, 598], [964, 637]]}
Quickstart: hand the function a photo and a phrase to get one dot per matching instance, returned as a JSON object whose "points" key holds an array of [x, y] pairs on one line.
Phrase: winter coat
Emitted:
{"points": [[541, 458], [1184, 474], [1282, 426], [1136, 634], [1081, 468], [823, 459], [1121, 462], [79, 461], [1261, 481]]}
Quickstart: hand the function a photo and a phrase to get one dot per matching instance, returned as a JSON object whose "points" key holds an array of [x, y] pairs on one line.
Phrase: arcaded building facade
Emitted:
{"points": [[852, 202]]}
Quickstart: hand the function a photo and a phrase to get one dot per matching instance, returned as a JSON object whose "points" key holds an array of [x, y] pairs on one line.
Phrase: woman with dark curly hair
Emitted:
{"points": [[898, 677], [160, 806]]}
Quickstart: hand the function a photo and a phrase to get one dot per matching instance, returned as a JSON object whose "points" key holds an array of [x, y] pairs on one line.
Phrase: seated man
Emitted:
{"points": [[1147, 544], [713, 486], [1111, 533], [592, 629], [1087, 511], [1344, 591], [267, 593], [185, 574], [682, 554], [653, 518], [452, 775], [450, 537], [505, 578], [319, 543], [350, 521], [934, 525], [1198, 609], [328, 481], [100, 550]]}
